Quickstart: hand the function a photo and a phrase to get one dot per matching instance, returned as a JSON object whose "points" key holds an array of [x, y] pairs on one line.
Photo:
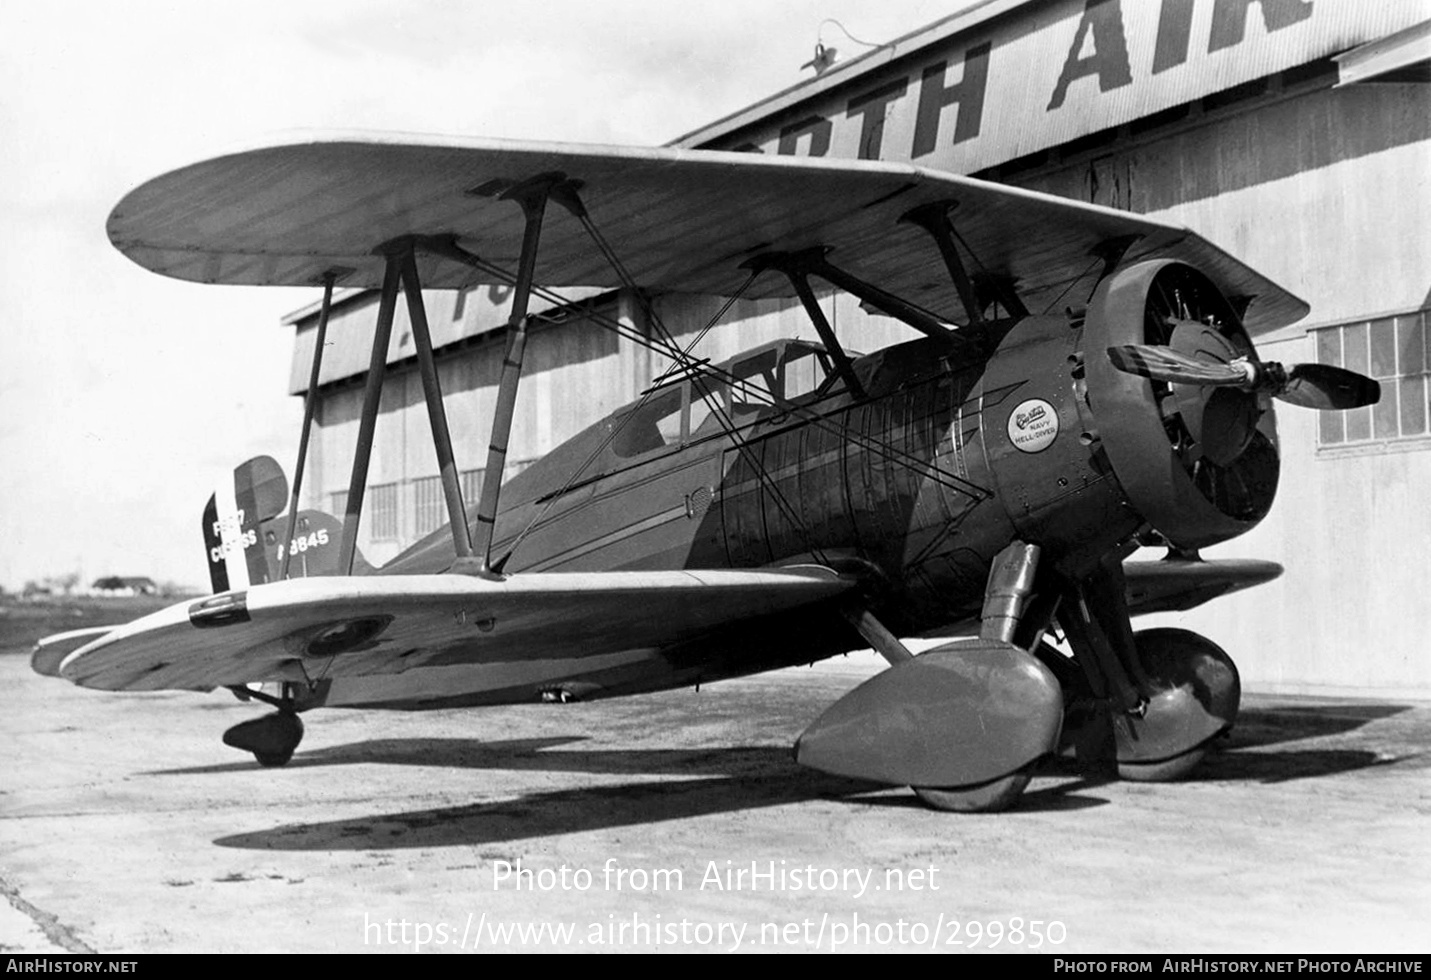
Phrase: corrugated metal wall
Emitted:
{"points": [[1045, 74]]}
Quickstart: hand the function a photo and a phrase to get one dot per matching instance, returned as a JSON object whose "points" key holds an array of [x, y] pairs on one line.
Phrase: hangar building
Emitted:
{"points": [[1294, 133]]}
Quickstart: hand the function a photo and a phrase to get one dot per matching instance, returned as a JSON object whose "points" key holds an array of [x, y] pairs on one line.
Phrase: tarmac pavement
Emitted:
{"points": [[679, 821]]}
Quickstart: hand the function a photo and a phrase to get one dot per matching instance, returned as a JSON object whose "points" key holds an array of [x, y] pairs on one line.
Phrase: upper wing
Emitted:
{"points": [[350, 627], [681, 220]]}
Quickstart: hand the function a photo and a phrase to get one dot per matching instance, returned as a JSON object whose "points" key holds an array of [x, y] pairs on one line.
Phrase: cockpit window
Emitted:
{"points": [[805, 370], [746, 390], [704, 421], [756, 388], [652, 425]]}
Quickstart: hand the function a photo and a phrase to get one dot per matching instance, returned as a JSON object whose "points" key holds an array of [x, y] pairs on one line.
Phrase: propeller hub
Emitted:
{"points": [[1219, 420]]}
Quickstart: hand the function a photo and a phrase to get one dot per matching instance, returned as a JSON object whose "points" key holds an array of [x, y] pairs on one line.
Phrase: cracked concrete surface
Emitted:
{"points": [[25, 928]]}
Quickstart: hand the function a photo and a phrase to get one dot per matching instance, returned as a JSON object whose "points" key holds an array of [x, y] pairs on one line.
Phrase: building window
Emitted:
{"points": [[471, 487], [1393, 350], [472, 481], [383, 503], [431, 505], [338, 503]]}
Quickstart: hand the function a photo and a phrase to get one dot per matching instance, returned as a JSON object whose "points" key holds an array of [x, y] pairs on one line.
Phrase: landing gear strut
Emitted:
{"points": [[1008, 617], [1194, 691], [1148, 704]]}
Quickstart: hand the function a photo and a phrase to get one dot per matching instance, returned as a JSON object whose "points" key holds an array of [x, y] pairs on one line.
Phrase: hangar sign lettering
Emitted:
{"points": [[1043, 75]]}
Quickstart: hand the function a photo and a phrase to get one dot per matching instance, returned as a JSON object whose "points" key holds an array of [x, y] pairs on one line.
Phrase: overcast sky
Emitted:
{"points": [[124, 396]]}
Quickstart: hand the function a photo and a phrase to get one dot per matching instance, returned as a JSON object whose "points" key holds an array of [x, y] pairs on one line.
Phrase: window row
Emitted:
{"points": [[383, 504], [1394, 350]]}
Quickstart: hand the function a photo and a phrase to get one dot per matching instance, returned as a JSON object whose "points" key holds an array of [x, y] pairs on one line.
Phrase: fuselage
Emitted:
{"points": [[915, 483]]}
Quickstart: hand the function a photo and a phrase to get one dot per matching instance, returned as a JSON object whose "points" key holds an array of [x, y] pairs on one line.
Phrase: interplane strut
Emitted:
{"points": [[368, 420], [436, 413], [474, 550], [310, 406]]}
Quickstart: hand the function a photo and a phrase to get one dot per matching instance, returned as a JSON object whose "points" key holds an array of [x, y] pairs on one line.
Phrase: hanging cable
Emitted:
{"points": [[616, 430], [698, 383]]}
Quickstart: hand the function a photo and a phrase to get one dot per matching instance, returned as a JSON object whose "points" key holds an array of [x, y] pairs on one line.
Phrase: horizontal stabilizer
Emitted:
{"points": [[52, 650]]}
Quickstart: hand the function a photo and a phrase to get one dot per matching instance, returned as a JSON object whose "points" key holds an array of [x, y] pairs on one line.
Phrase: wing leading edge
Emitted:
{"points": [[682, 220]]}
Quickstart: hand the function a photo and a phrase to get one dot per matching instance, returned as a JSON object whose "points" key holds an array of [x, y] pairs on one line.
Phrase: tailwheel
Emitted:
{"points": [[1193, 694], [272, 739], [991, 797]]}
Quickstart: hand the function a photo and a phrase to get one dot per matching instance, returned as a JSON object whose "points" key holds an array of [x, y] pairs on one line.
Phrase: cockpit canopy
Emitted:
{"points": [[758, 383]]}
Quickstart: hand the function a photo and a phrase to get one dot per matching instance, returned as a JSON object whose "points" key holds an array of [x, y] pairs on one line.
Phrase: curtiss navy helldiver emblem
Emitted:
{"points": [[1033, 426]]}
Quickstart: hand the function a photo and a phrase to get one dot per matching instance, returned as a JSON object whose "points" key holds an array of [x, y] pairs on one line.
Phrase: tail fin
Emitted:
{"points": [[314, 546], [244, 525]]}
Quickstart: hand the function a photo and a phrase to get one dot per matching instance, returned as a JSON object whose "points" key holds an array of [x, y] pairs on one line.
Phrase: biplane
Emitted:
{"points": [[1083, 381]]}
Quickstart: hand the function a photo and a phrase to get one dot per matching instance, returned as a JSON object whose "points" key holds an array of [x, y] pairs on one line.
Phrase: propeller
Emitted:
{"points": [[1319, 386], [1219, 383]]}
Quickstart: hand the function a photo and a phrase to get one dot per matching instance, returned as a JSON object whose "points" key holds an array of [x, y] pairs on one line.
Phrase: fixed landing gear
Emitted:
{"points": [[1145, 705], [1193, 700], [965, 724], [1166, 771], [991, 797], [1194, 692], [962, 724]]}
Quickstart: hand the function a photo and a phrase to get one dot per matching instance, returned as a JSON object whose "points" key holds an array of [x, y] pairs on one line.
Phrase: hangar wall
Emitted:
{"points": [[1328, 191], [1230, 117], [1225, 115]]}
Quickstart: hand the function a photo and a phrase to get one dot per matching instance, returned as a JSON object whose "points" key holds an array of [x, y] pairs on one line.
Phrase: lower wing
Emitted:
{"points": [[331, 627], [1178, 584]]}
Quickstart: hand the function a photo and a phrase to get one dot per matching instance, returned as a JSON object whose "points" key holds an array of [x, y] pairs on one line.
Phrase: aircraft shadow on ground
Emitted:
{"points": [[709, 782], [1256, 750], [1246, 754], [1256, 728], [1294, 722]]}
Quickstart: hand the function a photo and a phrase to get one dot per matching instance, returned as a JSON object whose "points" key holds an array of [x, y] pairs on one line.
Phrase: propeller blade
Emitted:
{"points": [[1166, 364], [1328, 388]]}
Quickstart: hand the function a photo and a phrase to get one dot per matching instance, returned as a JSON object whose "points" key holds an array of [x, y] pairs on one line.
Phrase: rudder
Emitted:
{"points": [[244, 524]]}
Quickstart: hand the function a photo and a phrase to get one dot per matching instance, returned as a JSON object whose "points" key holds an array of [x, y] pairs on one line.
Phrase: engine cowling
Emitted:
{"points": [[1200, 464]]}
